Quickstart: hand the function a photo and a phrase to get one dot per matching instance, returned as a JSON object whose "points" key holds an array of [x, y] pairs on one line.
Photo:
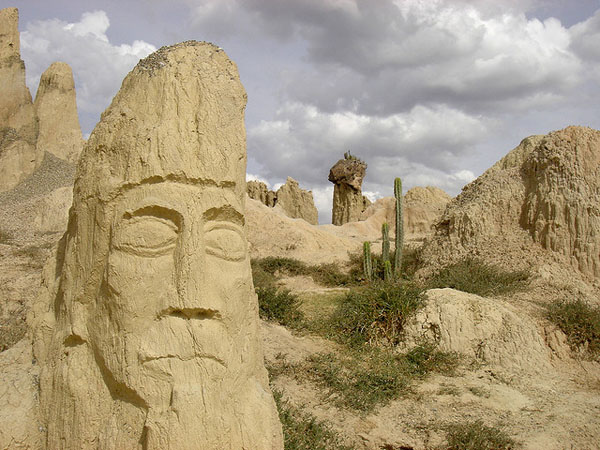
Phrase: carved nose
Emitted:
{"points": [[195, 298]]}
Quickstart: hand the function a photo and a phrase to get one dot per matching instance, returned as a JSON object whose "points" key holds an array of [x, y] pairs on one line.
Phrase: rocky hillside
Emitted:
{"points": [[539, 206]]}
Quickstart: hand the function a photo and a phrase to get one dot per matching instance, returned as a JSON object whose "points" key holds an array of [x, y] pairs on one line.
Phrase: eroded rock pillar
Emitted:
{"points": [[348, 202], [18, 123]]}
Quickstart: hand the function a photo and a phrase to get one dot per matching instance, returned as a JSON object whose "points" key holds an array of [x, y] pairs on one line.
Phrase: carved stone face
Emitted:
{"points": [[176, 288]]}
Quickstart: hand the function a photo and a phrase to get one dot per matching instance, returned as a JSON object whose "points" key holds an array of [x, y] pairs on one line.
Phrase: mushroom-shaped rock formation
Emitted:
{"points": [[348, 202]]}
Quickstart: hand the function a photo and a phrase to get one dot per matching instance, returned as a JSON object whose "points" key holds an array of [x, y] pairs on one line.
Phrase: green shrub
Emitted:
{"points": [[302, 431], [580, 322], [376, 313], [260, 277], [476, 277], [330, 275], [477, 436], [279, 305], [411, 262]]}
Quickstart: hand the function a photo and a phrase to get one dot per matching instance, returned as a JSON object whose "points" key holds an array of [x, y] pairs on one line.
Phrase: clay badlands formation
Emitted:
{"points": [[145, 332]]}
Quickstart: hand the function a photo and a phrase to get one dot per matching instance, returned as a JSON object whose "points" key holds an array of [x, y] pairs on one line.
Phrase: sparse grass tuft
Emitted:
{"points": [[376, 313], [476, 277], [477, 436], [302, 431], [329, 275], [364, 379], [5, 237], [580, 322], [281, 266], [279, 305]]}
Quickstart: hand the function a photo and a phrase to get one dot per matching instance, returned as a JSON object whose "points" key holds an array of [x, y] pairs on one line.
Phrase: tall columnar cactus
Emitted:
{"points": [[387, 270], [399, 227], [367, 263], [385, 245]]}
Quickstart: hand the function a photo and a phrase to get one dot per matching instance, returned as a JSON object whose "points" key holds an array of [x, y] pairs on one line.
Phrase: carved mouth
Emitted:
{"points": [[185, 334], [191, 313], [148, 359]]}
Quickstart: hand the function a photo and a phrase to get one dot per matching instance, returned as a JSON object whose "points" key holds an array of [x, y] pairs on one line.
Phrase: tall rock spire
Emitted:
{"points": [[56, 109], [18, 123]]}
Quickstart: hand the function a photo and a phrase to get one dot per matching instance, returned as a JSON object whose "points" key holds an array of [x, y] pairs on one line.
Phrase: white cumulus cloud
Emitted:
{"points": [[99, 66]]}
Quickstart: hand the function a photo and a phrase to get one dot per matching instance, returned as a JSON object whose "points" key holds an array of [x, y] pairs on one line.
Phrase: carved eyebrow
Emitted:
{"points": [[224, 213], [156, 211]]}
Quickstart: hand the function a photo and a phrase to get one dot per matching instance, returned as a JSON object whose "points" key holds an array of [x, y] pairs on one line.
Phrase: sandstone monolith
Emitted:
{"points": [[18, 123], [151, 339], [296, 202], [348, 202], [56, 109], [293, 200]]}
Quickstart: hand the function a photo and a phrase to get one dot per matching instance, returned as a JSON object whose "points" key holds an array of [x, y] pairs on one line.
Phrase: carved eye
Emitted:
{"points": [[146, 235], [225, 241]]}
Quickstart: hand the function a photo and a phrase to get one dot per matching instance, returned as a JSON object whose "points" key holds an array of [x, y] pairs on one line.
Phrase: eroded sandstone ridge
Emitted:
{"points": [[545, 191], [293, 200], [257, 190], [149, 336], [56, 109], [27, 129], [18, 123], [423, 206], [348, 202]]}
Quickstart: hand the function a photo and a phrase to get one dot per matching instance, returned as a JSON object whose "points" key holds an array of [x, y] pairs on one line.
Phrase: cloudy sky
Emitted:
{"points": [[433, 91]]}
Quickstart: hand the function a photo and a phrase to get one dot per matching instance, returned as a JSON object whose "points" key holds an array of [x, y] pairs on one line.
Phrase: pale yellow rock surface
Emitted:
{"points": [[272, 233], [562, 205], [489, 330], [52, 210], [56, 109], [423, 206], [19, 423], [148, 337], [542, 196], [257, 190], [296, 202], [18, 123]]}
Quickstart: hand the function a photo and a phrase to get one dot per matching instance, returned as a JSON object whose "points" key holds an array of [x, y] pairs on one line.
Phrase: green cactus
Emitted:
{"points": [[367, 263], [399, 227], [387, 270], [385, 245]]}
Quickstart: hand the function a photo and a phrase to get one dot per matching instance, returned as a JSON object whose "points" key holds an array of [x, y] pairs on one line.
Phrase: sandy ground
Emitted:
{"points": [[553, 409]]}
